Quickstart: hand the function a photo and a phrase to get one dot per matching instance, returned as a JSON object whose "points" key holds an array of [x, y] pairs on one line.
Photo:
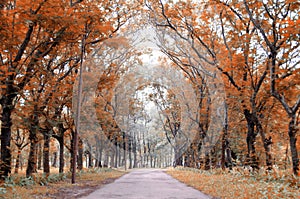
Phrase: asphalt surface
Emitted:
{"points": [[146, 184]]}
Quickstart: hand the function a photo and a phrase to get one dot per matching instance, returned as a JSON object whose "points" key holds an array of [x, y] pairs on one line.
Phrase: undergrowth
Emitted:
{"points": [[19, 186], [240, 183]]}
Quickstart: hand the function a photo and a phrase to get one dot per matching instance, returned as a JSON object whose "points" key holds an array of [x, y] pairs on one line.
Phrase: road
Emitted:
{"points": [[146, 184]]}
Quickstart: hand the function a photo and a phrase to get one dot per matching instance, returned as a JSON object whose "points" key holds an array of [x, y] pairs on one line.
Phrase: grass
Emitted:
{"points": [[57, 186], [240, 184]]}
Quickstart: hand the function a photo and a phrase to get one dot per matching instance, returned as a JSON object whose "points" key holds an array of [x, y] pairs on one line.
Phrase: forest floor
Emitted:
{"points": [[240, 183], [86, 182]]}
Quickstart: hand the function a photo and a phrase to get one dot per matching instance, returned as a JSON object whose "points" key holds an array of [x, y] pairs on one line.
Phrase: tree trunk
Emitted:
{"points": [[80, 155], [39, 156], [96, 162], [187, 159], [225, 143], [54, 163], [229, 158], [90, 165], [134, 155], [99, 149], [32, 159], [129, 152], [207, 162], [125, 141], [267, 145], [46, 154], [120, 155], [86, 160], [106, 159], [251, 136], [292, 135], [178, 158], [112, 157], [117, 155], [223, 152], [100, 156], [21, 162], [60, 138], [31, 166], [286, 160], [36, 157], [18, 160], [61, 154], [7, 107], [140, 154], [71, 151]]}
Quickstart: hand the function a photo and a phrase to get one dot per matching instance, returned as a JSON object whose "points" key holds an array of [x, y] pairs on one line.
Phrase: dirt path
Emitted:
{"points": [[146, 184]]}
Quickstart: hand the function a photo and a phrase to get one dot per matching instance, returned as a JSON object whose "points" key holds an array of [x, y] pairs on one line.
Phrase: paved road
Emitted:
{"points": [[146, 184]]}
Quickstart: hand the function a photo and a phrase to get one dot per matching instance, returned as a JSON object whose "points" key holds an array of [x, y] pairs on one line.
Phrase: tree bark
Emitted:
{"points": [[267, 145], [106, 159], [178, 158], [207, 161], [7, 107], [100, 155], [46, 155], [134, 155], [130, 154], [18, 161], [99, 148], [229, 157], [39, 156], [292, 135], [80, 155], [61, 154], [100, 159], [54, 163], [90, 163], [117, 155], [112, 157], [31, 166], [251, 136], [120, 155], [32, 159], [72, 151], [225, 143]]}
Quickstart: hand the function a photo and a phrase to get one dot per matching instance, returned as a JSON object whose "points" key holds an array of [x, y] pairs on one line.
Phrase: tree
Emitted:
{"points": [[32, 31], [229, 48], [277, 24], [170, 114]]}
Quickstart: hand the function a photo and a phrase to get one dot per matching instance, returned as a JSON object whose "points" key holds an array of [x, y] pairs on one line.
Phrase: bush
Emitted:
{"points": [[40, 179]]}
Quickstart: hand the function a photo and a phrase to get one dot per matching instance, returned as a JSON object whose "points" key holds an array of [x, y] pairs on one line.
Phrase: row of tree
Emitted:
{"points": [[240, 58], [43, 43], [254, 47]]}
